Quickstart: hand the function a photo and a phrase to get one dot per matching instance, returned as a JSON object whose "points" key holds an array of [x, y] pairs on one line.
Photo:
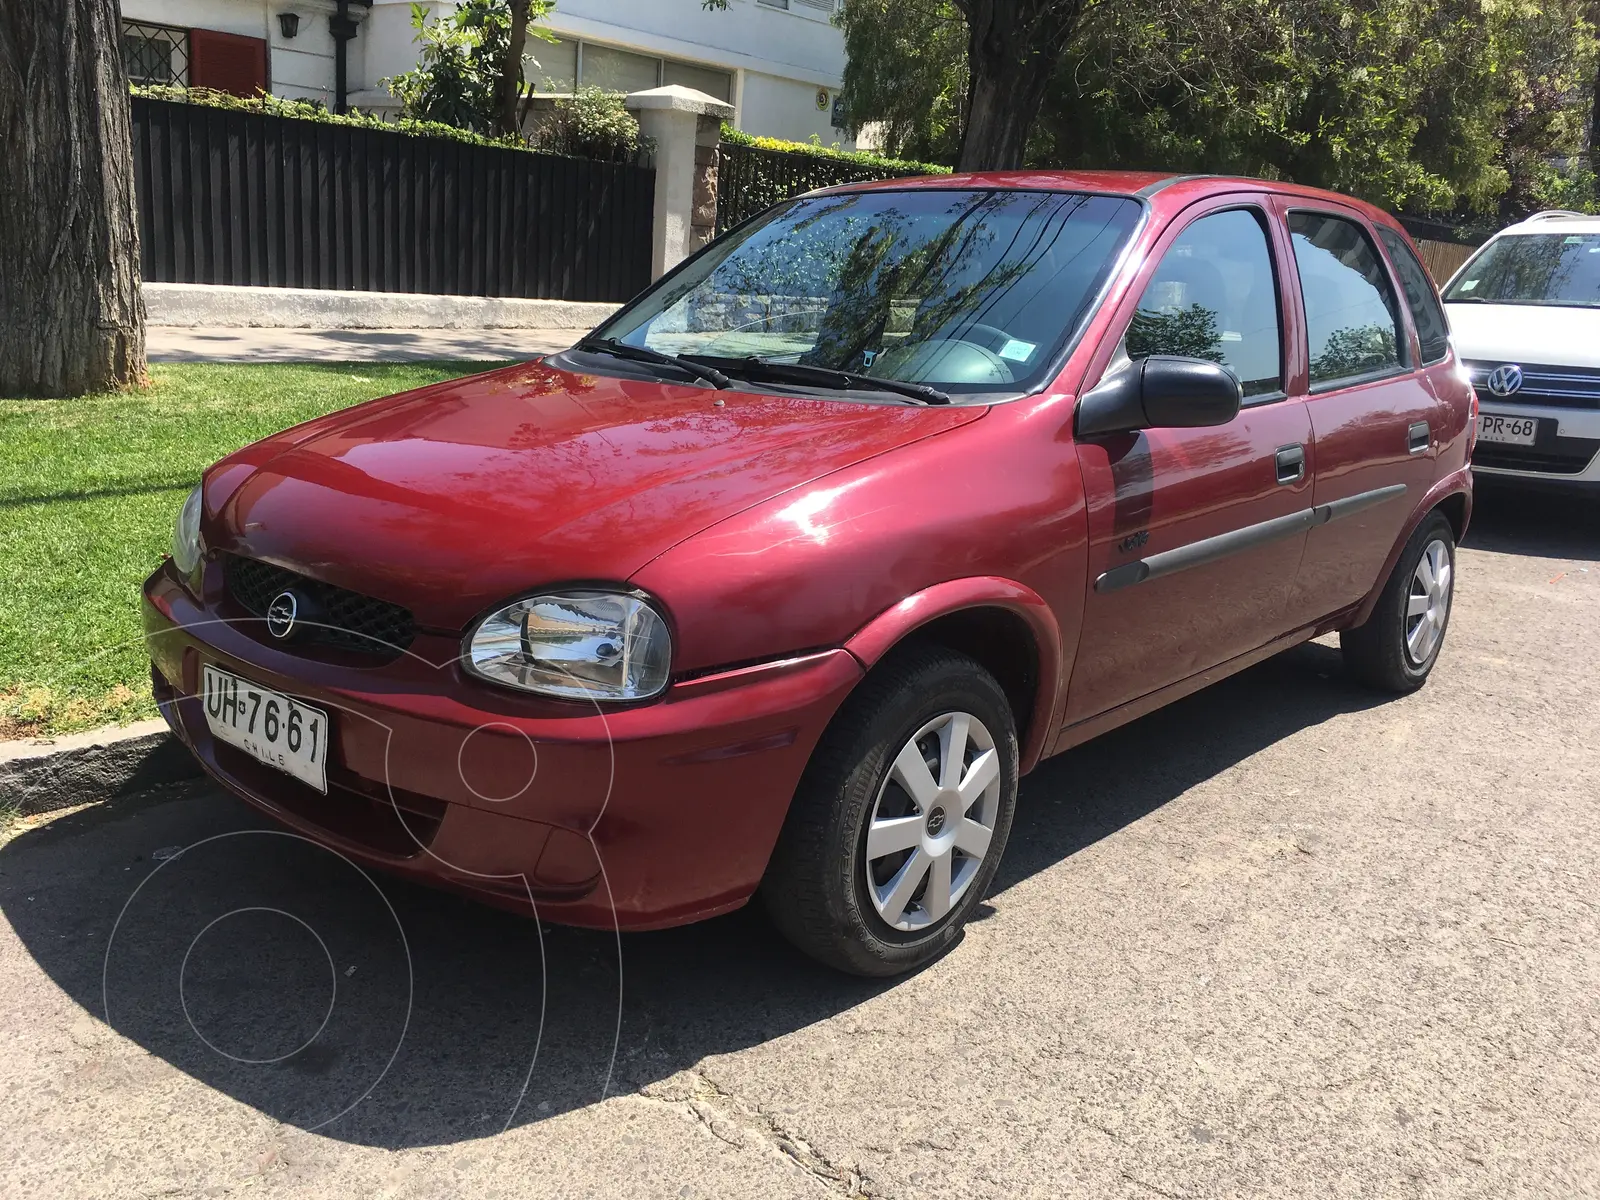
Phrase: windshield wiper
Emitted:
{"points": [[777, 372], [643, 354]]}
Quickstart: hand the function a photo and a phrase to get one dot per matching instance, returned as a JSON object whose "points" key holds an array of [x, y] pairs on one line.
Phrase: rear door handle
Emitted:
{"points": [[1417, 435], [1291, 464]]}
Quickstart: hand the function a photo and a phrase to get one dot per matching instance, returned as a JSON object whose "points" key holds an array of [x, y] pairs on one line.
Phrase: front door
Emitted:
{"points": [[1377, 422], [1212, 511]]}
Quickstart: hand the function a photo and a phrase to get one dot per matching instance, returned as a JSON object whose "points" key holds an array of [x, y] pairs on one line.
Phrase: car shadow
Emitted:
{"points": [[384, 1014], [1544, 524]]}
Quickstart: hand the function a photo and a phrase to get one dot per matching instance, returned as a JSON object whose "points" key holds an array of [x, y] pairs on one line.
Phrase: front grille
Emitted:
{"points": [[340, 618], [1552, 455], [1554, 387]]}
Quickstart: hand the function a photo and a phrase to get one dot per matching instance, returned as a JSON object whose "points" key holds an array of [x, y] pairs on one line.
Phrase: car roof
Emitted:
{"points": [[1553, 221], [1166, 190]]}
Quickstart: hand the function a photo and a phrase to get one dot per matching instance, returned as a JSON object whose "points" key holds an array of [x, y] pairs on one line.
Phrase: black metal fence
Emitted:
{"points": [[243, 198], [751, 180]]}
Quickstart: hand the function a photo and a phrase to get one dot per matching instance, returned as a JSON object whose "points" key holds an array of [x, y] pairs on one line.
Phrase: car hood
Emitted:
{"points": [[1543, 334], [456, 497]]}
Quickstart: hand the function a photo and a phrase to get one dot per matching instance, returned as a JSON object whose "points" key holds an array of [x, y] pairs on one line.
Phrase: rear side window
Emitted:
{"points": [[1352, 319], [1214, 296], [1432, 330]]}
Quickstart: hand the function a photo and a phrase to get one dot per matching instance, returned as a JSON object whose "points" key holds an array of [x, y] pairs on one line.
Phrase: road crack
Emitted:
{"points": [[736, 1123]]}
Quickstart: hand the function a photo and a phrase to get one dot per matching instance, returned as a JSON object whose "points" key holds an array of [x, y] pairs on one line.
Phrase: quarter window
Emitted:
{"points": [[1352, 319], [1214, 296], [1432, 331]]}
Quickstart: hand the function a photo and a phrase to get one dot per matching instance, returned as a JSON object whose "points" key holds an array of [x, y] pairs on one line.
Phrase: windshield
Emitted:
{"points": [[1536, 268], [963, 290]]}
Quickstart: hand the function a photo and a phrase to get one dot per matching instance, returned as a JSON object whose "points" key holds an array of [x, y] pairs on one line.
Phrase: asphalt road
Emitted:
{"points": [[1281, 939]]}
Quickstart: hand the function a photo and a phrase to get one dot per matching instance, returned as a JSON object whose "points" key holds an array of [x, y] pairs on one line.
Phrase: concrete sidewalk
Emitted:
{"points": [[168, 343]]}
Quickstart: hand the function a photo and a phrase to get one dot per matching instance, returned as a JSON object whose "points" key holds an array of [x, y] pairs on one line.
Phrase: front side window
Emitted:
{"points": [[1533, 268], [966, 291], [1352, 319], [1432, 331], [1214, 295]]}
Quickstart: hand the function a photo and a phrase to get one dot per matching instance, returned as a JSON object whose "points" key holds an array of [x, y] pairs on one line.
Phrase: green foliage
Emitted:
{"points": [[887, 168], [311, 110], [594, 123], [462, 57], [1431, 106], [906, 73]]}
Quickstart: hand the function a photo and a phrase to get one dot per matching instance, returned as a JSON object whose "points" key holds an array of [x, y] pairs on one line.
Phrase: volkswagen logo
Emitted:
{"points": [[1505, 380], [281, 614]]}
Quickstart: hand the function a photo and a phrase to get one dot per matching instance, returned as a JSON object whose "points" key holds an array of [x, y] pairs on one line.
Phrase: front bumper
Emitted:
{"points": [[1566, 452], [636, 817]]}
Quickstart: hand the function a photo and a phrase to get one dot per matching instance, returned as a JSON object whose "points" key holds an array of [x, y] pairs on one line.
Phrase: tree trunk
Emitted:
{"points": [[1594, 122], [71, 316], [1012, 50], [507, 115]]}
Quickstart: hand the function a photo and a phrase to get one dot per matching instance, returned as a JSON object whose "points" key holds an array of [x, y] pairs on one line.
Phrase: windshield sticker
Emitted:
{"points": [[1572, 241], [1018, 351], [1468, 284]]}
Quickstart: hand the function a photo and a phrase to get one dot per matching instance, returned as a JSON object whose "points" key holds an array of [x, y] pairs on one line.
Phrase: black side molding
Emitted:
{"points": [[1235, 541]]}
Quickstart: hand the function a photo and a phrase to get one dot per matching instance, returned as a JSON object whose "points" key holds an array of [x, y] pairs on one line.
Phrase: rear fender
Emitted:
{"points": [[1457, 483]]}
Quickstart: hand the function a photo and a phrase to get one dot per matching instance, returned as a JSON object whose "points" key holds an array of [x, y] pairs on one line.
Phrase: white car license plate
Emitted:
{"points": [[1517, 431], [268, 726]]}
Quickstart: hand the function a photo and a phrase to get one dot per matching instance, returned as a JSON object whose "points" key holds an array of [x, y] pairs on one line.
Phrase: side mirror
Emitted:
{"points": [[1161, 391]]}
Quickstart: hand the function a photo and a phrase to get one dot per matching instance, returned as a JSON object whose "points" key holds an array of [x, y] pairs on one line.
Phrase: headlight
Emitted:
{"points": [[580, 645], [186, 547]]}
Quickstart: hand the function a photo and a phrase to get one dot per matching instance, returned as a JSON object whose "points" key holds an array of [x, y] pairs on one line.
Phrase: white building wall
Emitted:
{"points": [[779, 59], [770, 106]]}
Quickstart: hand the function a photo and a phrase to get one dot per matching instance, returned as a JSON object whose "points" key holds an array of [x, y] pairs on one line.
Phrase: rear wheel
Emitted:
{"points": [[1396, 647], [897, 828]]}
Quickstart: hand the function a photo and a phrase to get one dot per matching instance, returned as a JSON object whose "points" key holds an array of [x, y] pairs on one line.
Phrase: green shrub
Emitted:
{"points": [[593, 123], [881, 167]]}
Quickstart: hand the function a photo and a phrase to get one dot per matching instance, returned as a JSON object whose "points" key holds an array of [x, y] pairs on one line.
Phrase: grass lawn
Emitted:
{"points": [[88, 492]]}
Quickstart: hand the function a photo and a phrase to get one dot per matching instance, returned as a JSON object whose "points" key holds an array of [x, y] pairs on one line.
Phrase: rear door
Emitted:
{"points": [[1213, 289], [1377, 423]]}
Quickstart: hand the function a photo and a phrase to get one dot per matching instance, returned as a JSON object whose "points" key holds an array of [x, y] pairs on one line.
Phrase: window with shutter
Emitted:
{"points": [[227, 62]]}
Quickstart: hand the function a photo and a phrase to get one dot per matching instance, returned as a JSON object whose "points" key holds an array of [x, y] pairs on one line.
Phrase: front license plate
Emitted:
{"points": [[268, 726], [1516, 431]]}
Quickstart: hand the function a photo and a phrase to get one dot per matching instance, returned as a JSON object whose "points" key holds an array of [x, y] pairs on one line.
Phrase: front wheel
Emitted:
{"points": [[897, 827], [1396, 647]]}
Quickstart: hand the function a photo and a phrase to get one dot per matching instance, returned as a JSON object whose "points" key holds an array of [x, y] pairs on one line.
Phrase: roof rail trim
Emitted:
{"points": [[1150, 189], [1556, 214]]}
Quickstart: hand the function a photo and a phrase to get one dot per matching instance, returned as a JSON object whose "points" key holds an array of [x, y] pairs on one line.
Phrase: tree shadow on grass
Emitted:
{"points": [[384, 1014]]}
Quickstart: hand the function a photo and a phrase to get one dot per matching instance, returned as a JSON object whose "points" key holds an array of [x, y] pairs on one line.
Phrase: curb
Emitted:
{"points": [[39, 775], [193, 304]]}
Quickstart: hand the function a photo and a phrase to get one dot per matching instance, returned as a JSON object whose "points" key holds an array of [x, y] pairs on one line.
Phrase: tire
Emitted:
{"points": [[823, 891], [1386, 652]]}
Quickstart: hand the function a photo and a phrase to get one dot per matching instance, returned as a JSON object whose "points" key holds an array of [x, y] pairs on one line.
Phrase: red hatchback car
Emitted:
{"points": [[779, 580]]}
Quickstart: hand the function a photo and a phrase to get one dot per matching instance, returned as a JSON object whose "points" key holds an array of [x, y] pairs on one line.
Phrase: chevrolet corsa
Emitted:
{"points": [[780, 579]]}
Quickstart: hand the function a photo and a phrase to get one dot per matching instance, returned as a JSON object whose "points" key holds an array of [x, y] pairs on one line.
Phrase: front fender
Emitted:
{"points": [[892, 626]]}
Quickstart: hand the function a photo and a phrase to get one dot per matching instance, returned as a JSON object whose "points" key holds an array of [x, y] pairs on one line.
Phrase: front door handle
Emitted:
{"points": [[1417, 435], [1291, 464]]}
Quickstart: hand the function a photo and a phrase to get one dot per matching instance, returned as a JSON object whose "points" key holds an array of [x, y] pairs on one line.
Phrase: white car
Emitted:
{"points": [[1525, 319]]}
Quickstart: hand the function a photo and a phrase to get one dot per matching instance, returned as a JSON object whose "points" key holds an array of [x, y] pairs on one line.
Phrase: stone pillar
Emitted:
{"points": [[683, 124]]}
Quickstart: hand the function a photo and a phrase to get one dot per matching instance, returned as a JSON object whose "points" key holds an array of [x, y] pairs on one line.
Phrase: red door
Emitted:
{"points": [[1377, 423], [1215, 509]]}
